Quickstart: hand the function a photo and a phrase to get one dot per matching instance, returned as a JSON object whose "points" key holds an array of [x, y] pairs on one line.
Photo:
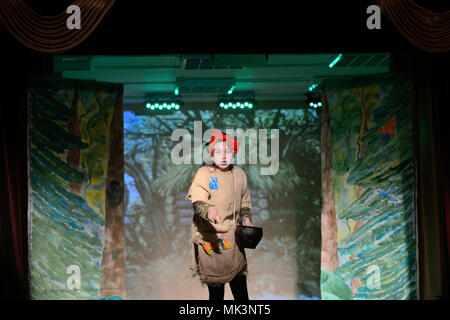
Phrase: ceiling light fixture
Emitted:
{"points": [[313, 86], [313, 101], [336, 60], [162, 103], [237, 102]]}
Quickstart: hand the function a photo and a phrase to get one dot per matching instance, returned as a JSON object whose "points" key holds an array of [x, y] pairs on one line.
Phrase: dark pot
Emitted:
{"points": [[248, 237]]}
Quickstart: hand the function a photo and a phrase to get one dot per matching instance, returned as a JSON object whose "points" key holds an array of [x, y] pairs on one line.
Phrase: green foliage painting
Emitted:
{"points": [[373, 184], [68, 122]]}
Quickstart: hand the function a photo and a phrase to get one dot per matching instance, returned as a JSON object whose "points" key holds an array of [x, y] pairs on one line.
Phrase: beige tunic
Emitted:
{"points": [[225, 190]]}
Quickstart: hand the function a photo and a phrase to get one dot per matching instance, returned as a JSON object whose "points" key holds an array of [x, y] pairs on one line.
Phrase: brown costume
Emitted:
{"points": [[225, 190]]}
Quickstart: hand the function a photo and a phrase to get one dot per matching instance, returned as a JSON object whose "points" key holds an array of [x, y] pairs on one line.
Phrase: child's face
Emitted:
{"points": [[222, 155]]}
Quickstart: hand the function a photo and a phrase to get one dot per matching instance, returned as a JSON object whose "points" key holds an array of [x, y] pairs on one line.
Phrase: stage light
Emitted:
{"points": [[237, 101], [313, 101], [235, 104], [231, 90], [313, 86], [176, 91], [162, 103], [336, 60]]}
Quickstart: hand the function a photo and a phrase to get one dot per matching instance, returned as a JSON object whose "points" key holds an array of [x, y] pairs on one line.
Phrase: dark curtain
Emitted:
{"points": [[17, 65], [431, 135]]}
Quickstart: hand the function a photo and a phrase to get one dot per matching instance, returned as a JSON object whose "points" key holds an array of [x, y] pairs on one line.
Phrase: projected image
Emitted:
{"points": [[286, 204]]}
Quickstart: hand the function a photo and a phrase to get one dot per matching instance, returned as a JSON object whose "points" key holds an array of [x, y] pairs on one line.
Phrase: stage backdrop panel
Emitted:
{"points": [[286, 263], [371, 145], [71, 127]]}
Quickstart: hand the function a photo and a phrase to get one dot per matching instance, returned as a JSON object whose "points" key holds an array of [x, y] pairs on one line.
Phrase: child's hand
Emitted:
{"points": [[213, 215], [246, 222]]}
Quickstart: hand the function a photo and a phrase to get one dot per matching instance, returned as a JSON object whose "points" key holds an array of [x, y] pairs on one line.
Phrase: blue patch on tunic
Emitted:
{"points": [[213, 183]]}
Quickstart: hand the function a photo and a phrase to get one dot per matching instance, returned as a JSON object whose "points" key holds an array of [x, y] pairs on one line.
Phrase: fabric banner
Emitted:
{"points": [[70, 125], [371, 143]]}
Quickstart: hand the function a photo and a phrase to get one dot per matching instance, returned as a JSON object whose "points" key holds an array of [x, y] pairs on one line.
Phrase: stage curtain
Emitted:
{"points": [[431, 99], [423, 28], [50, 34], [13, 167]]}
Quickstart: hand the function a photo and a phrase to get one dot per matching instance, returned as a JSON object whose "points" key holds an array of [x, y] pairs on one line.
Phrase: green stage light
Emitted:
{"points": [[162, 104], [312, 87], [236, 102], [176, 91], [231, 90], [331, 65]]}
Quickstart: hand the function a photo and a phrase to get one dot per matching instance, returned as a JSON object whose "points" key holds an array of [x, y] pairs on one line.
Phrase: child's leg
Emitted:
{"points": [[238, 287], [216, 293]]}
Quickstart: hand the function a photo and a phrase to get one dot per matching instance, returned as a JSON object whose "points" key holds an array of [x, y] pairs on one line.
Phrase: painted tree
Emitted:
{"points": [[383, 247], [73, 127], [368, 98], [330, 259], [113, 260], [64, 228]]}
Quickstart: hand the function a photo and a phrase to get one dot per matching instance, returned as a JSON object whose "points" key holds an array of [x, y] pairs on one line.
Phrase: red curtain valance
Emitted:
{"points": [[423, 28], [49, 34]]}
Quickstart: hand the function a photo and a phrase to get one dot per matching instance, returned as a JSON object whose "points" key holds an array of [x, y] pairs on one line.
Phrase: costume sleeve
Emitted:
{"points": [[199, 189], [201, 209], [199, 194]]}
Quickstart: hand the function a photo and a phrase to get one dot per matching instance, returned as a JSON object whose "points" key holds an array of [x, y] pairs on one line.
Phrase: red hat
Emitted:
{"points": [[217, 136]]}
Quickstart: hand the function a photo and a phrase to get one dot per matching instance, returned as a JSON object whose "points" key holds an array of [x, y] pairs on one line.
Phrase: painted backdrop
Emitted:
{"points": [[73, 129], [368, 232]]}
